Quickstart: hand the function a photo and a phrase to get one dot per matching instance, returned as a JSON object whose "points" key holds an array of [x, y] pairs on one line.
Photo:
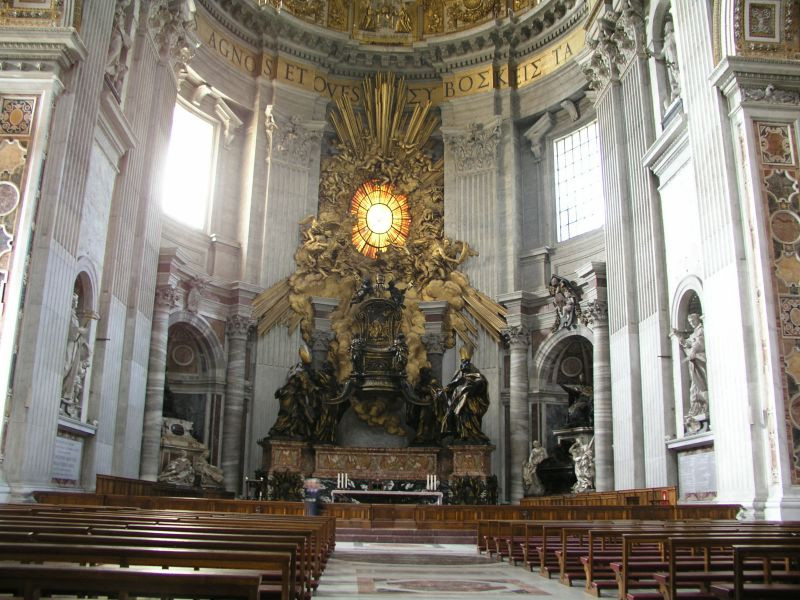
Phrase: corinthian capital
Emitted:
{"points": [[173, 28], [517, 336], [596, 313], [238, 326], [477, 148], [434, 343], [166, 296], [292, 139]]}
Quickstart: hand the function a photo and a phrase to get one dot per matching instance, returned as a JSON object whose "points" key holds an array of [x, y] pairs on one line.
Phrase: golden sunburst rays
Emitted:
{"points": [[382, 218], [388, 126]]}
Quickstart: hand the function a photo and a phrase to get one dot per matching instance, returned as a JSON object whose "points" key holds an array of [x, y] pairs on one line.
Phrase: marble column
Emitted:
{"points": [[232, 424], [596, 317], [156, 374], [518, 338]]}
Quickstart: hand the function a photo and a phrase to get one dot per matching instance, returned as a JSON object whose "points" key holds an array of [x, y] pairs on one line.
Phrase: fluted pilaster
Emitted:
{"points": [[518, 338], [156, 373], [596, 317], [233, 420]]}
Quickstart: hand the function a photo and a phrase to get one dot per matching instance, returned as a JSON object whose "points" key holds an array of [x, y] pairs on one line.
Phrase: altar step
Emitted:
{"points": [[405, 536]]}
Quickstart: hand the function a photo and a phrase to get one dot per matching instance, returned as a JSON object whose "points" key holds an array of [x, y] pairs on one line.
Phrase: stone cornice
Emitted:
{"points": [[758, 81], [40, 48]]}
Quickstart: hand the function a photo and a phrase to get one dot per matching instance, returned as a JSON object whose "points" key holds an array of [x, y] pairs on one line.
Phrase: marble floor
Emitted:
{"points": [[368, 570]]}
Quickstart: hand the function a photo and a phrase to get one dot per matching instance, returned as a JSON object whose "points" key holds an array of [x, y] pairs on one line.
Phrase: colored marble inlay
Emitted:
{"points": [[16, 116], [776, 144], [790, 316], [781, 194]]}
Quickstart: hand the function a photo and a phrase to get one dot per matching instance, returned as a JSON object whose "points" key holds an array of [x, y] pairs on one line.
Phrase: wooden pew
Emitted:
{"points": [[32, 581], [276, 566], [744, 590], [673, 582], [306, 533]]}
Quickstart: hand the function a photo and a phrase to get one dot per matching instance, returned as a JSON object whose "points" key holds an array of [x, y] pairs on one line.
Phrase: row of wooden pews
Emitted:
{"points": [[53, 549], [653, 560]]}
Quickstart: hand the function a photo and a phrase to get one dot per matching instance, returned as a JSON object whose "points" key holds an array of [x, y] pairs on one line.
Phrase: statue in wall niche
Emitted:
{"points": [[582, 453], [467, 400], [669, 56], [693, 345], [566, 297], [580, 412], [296, 400], [530, 478], [76, 362], [179, 470], [210, 475], [121, 41]]}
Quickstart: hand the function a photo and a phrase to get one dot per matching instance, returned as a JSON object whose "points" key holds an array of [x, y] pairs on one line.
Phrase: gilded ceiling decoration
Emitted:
{"points": [[381, 159], [399, 22], [35, 13]]}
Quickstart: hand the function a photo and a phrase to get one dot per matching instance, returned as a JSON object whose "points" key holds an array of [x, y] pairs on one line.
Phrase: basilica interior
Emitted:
{"points": [[456, 252]]}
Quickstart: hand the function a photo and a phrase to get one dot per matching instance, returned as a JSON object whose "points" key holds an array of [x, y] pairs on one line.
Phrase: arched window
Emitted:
{"points": [[188, 169], [578, 183]]}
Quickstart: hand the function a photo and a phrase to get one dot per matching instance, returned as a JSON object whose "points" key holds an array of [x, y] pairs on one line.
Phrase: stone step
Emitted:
{"points": [[408, 536]]}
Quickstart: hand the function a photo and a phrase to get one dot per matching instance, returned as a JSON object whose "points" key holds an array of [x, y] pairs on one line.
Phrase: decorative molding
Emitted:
{"points": [[40, 49], [571, 108], [771, 95], [535, 135], [477, 149]]}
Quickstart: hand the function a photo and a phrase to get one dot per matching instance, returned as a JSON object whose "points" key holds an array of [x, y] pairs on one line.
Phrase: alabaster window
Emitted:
{"points": [[188, 168], [578, 183]]}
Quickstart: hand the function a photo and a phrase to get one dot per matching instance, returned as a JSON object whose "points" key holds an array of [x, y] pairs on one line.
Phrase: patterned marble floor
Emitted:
{"points": [[381, 571]]}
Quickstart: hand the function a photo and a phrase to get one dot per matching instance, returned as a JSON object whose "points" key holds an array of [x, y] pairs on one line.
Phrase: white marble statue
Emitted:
{"points": [[583, 456], [76, 363], [530, 478], [210, 475], [179, 470], [669, 56], [693, 345]]}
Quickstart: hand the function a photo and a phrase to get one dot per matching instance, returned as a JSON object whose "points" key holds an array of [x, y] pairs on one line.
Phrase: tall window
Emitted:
{"points": [[579, 187], [187, 174]]}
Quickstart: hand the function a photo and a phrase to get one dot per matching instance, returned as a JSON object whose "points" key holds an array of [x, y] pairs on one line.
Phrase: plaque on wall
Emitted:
{"points": [[66, 468], [697, 474]]}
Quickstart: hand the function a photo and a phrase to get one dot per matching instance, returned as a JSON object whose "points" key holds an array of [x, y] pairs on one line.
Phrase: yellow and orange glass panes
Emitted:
{"points": [[382, 218]]}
